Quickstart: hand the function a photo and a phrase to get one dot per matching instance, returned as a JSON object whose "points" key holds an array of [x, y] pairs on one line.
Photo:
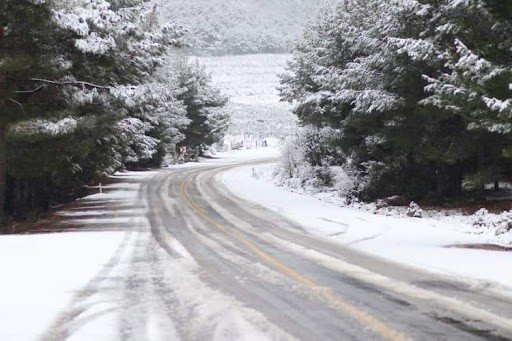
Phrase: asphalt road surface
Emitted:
{"points": [[211, 266]]}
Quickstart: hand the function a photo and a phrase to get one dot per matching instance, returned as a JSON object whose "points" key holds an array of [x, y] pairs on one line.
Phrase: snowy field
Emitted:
{"points": [[422, 243], [247, 79], [250, 82]]}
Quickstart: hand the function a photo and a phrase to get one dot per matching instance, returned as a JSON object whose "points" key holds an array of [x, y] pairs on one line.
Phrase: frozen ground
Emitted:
{"points": [[421, 243]]}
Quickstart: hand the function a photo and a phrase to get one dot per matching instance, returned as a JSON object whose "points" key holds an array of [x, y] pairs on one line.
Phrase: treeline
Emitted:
{"points": [[89, 87], [412, 97], [222, 27]]}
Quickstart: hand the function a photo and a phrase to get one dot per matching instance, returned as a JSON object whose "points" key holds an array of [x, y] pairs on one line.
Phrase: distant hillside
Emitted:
{"points": [[219, 27], [250, 81]]}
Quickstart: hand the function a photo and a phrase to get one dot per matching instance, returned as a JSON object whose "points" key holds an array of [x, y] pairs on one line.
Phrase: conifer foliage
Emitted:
{"points": [[208, 124], [418, 91], [85, 89]]}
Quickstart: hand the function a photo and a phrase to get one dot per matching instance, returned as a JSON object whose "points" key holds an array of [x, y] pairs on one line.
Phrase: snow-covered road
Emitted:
{"points": [[176, 255], [422, 243]]}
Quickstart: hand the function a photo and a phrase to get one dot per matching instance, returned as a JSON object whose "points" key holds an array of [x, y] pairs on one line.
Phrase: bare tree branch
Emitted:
{"points": [[39, 88], [18, 104], [73, 83]]}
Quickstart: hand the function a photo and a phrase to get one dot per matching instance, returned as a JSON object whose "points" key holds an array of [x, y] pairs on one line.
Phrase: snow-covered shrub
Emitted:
{"points": [[482, 219], [500, 223], [309, 163], [414, 210], [504, 223], [291, 159], [343, 182]]}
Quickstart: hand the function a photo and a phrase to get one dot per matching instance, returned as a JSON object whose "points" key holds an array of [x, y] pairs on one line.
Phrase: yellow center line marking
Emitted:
{"points": [[326, 294]]}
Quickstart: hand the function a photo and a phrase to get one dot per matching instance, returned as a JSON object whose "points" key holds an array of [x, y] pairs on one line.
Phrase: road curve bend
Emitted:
{"points": [[258, 274]]}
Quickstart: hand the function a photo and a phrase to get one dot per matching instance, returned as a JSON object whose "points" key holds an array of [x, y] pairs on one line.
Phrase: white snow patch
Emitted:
{"points": [[248, 79], [248, 155], [41, 274]]}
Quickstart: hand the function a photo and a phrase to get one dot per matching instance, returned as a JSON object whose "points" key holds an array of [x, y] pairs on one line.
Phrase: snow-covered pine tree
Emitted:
{"points": [[364, 68], [126, 45], [359, 70], [27, 54], [419, 90], [475, 37], [100, 69], [154, 123], [202, 102], [409, 148]]}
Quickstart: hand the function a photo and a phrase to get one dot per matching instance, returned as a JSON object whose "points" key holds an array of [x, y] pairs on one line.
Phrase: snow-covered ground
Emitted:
{"points": [[271, 152], [42, 274], [422, 243], [247, 79], [84, 283]]}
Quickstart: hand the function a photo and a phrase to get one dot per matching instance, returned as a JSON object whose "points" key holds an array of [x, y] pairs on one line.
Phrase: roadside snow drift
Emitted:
{"points": [[42, 274]]}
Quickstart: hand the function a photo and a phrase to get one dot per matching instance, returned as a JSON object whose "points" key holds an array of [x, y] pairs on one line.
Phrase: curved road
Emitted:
{"points": [[198, 263], [293, 285]]}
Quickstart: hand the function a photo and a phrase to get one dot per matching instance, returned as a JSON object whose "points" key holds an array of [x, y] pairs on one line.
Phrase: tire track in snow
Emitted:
{"points": [[475, 314], [73, 318], [202, 311]]}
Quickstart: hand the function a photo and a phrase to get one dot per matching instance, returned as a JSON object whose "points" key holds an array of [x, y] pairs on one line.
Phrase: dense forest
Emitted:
{"points": [[410, 97], [221, 27], [89, 87]]}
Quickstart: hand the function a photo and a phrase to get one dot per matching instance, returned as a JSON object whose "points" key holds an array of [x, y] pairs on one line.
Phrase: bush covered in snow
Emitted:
{"points": [[500, 223], [481, 219], [307, 164], [414, 210]]}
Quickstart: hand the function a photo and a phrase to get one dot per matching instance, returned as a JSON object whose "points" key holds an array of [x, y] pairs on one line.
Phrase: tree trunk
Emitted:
{"points": [[3, 177], [3, 151]]}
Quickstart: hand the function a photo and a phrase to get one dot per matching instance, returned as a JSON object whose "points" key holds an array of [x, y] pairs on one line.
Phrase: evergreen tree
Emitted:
{"points": [[75, 73], [475, 86], [416, 112], [27, 54], [202, 101]]}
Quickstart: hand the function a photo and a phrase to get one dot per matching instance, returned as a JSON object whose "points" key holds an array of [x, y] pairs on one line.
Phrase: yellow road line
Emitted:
{"points": [[326, 294]]}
